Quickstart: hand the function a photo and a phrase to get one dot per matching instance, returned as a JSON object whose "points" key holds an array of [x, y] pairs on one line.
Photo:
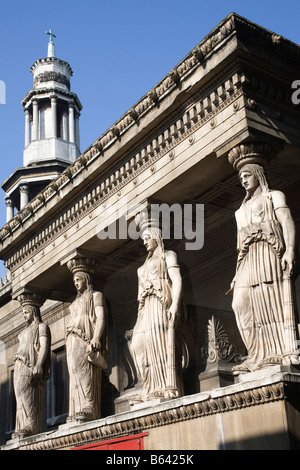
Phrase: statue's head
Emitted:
{"points": [[249, 182], [31, 314], [82, 281], [152, 239], [252, 176]]}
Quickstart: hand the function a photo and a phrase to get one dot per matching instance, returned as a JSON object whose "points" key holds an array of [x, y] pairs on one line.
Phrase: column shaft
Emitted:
{"points": [[35, 120], [77, 135], [24, 195], [54, 116], [71, 123], [27, 128], [9, 209], [65, 126]]}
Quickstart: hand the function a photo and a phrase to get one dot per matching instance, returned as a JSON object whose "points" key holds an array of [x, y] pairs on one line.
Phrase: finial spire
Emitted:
{"points": [[51, 47]]}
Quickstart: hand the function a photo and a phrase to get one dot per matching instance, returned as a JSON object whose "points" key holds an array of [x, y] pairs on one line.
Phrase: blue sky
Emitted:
{"points": [[118, 51]]}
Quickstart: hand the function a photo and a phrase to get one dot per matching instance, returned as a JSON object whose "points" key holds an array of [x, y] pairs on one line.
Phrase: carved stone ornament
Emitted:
{"points": [[143, 221], [87, 265], [254, 152], [31, 298], [218, 347], [51, 75]]}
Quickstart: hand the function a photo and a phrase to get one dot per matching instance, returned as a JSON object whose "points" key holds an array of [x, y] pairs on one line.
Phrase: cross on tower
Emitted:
{"points": [[51, 35], [51, 47]]}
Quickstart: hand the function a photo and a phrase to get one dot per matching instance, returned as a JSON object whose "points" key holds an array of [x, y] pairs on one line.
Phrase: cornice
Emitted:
{"points": [[43, 169], [36, 92], [50, 60], [266, 38]]}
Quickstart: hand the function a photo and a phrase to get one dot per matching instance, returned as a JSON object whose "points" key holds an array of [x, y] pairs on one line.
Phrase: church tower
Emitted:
{"points": [[51, 130]]}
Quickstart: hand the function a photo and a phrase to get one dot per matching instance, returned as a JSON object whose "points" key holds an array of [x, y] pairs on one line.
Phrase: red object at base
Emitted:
{"points": [[133, 442]]}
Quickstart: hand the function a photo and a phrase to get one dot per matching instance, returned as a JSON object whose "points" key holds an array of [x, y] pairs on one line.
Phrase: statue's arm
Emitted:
{"points": [[285, 219], [100, 320], [176, 280], [44, 340]]}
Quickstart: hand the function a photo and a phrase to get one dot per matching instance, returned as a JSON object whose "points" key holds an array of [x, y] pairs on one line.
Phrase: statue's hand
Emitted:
{"points": [[37, 371], [172, 315], [287, 263], [95, 344]]}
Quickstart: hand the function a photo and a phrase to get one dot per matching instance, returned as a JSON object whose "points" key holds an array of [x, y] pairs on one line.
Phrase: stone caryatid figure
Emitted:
{"points": [[86, 344], [32, 368], [153, 344], [262, 286]]}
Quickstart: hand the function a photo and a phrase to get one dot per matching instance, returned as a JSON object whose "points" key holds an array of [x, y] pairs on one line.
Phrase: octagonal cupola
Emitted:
{"points": [[51, 112], [52, 141]]}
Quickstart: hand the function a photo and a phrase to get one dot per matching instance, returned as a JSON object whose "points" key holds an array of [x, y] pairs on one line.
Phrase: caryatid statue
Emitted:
{"points": [[262, 286], [156, 353], [86, 344], [32, 368]]}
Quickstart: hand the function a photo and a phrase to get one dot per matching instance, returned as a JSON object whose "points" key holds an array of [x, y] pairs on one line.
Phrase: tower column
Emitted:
{"points": [[9, 208], [35, 120], [27, 127], [54, 116], [65, 126], [77, 138], [71, 123], [24, 195]]}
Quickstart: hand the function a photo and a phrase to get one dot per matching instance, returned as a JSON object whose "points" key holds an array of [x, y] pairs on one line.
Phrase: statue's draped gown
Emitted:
{"points": [[149, 343], [85, 378], [29, 393], [260, 309]]}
